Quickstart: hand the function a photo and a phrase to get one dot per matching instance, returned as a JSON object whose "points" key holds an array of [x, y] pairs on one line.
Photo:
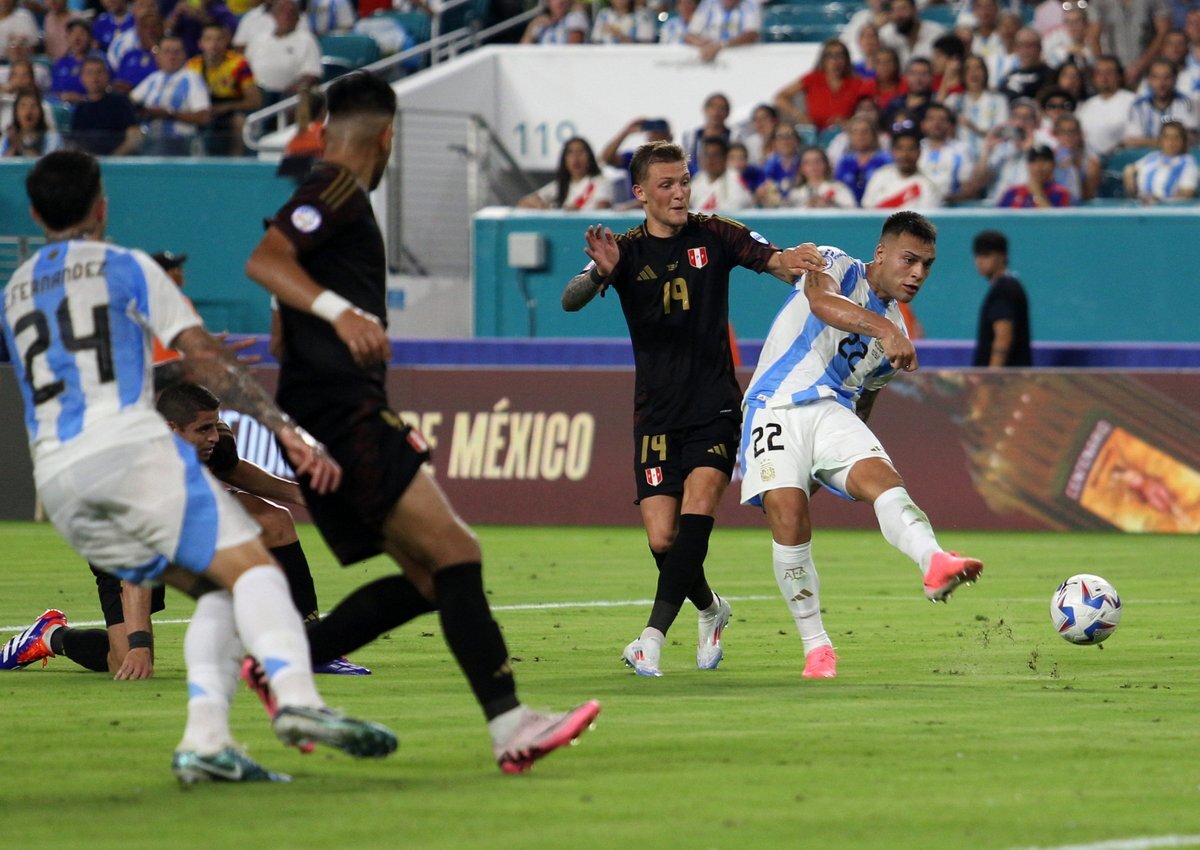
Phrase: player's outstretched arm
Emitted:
{"points": [[274, 266], [605, 253], [258, 482], [137, 661], [207, 362], [790, 263], [834, 309]]}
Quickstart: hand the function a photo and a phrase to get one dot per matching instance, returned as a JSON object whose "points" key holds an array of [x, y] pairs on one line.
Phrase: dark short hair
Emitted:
{"points": [[912, 223], [989, 242], [951, 45], [650, 153], [1040, 153], [181, 403], [79, 23], [716, 141], [906, 133], [360, 92], [63, 186]]}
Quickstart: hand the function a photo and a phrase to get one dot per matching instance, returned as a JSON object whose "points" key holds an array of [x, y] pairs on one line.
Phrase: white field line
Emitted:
{"points": [[1148, 842], [533, 606]]}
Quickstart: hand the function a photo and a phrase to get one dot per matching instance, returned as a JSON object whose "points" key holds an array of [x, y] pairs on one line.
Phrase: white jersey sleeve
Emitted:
{"points": [[804, 359]]}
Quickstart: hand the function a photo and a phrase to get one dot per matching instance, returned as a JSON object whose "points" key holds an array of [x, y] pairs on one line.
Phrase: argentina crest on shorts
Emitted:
{"points": [[697, 257], [654, 476]]}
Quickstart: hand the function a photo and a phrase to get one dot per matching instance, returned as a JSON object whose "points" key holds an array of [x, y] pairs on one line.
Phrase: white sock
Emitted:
{"points": [[800, 585], [906, 527], [273, 633], [211, 652], [652, 643]]}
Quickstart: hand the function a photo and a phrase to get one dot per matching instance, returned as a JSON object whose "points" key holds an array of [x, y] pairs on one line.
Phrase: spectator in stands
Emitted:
{"points": [[54, 29], [763, 121], [126, 40], [1076, 167], [888, 83], [308, 145], [559, 24], [232, 90], [817, 188], [1162, 104], [67, 86], [1074, 81], [1031, 74], [918, 80], [1104, 115], [738, 161], [619, 151], [1048, 16], [674, 29], [718, 24], [715, 187], [1167, 174], [944, 159], [116, 18], [28, 134], [1131, 30], [20, 50], [1010, 24], [288, 58], [984, 37], [907, 34], [189, 17], [864, 57], [17, 21], [1191, 28], [782, 169], [979, 109], [826, 95], [874, 13], [173, 102], [578, 183], [1039, 188], [1073, 42], [1003, 335], [901, 185], [1175, 48], [621, 23], [1003, 161], [138, 60], [863, 156], [331, 16], [839, 144], [716, 114], [947, 66], [18, 78], [1054, 102], [104, 122]]}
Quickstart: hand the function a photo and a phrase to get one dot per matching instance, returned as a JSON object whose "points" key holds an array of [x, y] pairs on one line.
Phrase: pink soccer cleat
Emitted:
{"points": [[256, 680], [946, 572], [821, 663], [540, 734]]}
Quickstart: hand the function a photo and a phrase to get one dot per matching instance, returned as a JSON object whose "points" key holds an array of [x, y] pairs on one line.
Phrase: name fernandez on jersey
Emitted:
{"points": [[23, 290]]}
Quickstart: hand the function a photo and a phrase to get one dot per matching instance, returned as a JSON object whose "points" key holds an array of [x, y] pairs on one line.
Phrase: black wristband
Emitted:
{"points": [[594, 276], [141, 640]]}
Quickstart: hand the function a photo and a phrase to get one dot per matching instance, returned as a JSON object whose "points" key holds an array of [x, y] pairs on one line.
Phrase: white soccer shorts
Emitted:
{"points": [[801, 447], [131, 509]]}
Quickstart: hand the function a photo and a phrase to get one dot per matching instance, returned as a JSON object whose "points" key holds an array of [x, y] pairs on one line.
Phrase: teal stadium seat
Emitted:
{"points": [[354, 50], [944, 15], [803, 22], [1112, 184]]}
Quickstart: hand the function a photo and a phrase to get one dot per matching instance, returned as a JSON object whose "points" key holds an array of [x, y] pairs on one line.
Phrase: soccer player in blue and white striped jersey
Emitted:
{"points": [[837, 341], [135, 500]]}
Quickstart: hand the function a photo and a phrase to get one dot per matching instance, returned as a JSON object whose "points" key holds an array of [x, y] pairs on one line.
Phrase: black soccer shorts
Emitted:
{"points": [[108, 588], [662, 462]]}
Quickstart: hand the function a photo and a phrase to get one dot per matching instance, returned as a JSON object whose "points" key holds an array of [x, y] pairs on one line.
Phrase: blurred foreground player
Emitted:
{"points": [[323, 258]]}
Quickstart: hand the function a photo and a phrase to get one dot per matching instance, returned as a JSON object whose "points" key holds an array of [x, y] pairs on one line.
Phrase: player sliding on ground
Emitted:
{"points": [[837, 341]]}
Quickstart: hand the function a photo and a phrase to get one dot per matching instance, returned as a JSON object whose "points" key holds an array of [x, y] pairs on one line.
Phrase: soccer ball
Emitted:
{"points": [[1085, 609]]}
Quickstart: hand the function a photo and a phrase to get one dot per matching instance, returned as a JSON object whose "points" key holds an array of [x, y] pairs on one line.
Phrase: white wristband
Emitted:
{"points": [[329, 305]]}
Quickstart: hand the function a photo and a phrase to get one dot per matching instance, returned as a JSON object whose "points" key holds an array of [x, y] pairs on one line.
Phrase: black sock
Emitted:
{"points": [[681, 569], [86, 647], [299, 577], [700, 594], [372, 610], [474, 637]]}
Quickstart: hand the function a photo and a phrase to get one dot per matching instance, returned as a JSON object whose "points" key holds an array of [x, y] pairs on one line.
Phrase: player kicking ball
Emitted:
{"points": [[837, 341], [133, 498]]}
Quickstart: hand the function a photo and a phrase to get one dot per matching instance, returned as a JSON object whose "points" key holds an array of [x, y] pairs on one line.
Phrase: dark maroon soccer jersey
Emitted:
{"points": [[675, 296], [330, 222]]}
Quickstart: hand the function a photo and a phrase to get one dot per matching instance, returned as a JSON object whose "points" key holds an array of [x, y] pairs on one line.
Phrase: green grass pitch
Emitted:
{"points": [[969, 725]]}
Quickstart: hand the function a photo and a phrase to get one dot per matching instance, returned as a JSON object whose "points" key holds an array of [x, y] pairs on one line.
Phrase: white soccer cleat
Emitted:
{"points": [[709, 651], [540, 734], [642, 656]]}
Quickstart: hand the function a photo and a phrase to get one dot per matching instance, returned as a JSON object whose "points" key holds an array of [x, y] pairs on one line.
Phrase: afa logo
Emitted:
{"points": [[697, 257], [654, 476]]}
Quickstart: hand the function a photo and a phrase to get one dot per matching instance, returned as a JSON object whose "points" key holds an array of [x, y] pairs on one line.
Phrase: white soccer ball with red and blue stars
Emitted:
{"points": [[1085, 609]]}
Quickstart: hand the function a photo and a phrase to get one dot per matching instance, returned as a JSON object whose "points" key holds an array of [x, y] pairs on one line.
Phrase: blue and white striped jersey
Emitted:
{"points": [[1166, 177], [804, 359], [78, 317], [182, 91]]}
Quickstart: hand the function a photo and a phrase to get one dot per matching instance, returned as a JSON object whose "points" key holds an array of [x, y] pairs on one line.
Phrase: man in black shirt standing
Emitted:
{"points": [[323, 258], [1003, 335], [672, 275]]}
